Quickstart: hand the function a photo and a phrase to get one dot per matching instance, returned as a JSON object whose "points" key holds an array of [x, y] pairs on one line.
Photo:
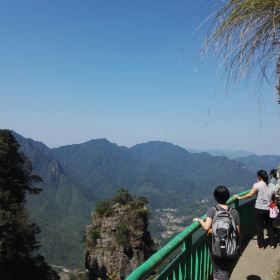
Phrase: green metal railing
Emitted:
{"points": [[187, 255]]}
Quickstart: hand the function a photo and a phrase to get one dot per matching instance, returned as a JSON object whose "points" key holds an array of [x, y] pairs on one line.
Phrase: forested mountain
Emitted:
{"points": [[191, 172], [61, 210], [75, 176], [153, 167], [19, 258]]}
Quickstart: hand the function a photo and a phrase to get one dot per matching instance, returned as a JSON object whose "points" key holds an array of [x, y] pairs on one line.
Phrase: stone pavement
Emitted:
{"points": [[256, 264]]}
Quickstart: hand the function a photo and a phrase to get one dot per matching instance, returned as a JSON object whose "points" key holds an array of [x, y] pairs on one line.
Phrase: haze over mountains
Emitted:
{"points": [[76, 176], [266, 162], [231, 154]]}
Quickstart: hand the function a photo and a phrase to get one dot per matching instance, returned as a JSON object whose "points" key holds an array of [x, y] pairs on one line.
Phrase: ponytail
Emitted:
{"points": [[263, 175]]}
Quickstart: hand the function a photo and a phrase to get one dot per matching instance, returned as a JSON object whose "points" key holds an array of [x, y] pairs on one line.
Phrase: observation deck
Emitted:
{"points": [[187, 257]]}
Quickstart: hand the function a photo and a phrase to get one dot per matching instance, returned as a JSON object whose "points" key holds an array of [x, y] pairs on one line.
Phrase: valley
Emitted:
{"points": [[178, 185]]}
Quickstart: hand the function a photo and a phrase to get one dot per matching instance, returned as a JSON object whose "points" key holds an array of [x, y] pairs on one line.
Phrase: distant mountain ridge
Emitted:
{"points": [[155, 165], [255, 163], [231, 154], [76, 176]]}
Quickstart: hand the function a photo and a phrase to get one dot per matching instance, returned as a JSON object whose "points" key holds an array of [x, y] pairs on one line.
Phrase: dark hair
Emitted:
{"points": [[263, 175], [273, 173], [221, 194]]}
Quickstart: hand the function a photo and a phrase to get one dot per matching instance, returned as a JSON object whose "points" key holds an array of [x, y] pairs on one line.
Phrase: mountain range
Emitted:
{"points": [[76, 176], [231, 154], [266, 162]]}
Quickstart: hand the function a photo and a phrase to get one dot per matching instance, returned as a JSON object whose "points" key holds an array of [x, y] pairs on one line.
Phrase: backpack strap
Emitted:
{"points": [[216, 207], [229, 209]]}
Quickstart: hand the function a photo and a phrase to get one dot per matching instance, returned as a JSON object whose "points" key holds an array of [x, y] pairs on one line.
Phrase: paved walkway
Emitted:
{"points": [[256, 264]]}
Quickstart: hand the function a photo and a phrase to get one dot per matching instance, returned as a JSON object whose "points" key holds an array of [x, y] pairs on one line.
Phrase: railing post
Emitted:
{"points": [[187, 243], [186, 246], [236, 206]]}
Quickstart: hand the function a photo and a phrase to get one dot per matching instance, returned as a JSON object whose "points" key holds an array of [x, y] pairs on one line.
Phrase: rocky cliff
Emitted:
{"points": [[118, 240]]}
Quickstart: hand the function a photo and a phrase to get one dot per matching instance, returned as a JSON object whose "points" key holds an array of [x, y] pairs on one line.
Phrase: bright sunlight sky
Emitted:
{"points": [[129, 71]]}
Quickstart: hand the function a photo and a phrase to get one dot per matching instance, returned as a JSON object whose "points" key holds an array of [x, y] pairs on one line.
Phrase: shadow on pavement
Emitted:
{"points": [[253, 277]]}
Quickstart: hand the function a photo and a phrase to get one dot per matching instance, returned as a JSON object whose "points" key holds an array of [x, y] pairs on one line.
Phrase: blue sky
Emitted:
{"points": [[128, 71]]}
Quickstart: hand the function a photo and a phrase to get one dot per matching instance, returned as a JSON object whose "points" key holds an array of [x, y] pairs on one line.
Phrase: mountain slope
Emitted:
{"points": [[97, 164], [61, 210], [155, 169], [75, 176]]}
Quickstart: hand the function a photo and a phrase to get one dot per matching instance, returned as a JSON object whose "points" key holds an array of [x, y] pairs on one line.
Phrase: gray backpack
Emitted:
{"points": [[224, 234]]}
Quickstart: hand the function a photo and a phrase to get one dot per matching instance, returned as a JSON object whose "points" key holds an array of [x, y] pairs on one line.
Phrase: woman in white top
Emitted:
{"points": [[264, 192]]}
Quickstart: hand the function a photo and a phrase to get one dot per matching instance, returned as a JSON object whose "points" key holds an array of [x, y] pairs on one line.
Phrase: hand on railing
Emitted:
{"points": [[206, 224]]}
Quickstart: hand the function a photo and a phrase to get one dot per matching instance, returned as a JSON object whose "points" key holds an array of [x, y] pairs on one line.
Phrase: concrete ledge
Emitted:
{"points": [[257, 264]]}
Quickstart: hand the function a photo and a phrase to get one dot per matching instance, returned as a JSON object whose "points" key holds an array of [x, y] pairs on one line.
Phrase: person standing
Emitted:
{"points": [[276, 199], [222, 265], [273, 177], [264, 192]]}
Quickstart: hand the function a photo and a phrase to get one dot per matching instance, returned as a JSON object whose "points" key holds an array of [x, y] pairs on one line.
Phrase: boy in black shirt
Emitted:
{"points": [[222, 267]]}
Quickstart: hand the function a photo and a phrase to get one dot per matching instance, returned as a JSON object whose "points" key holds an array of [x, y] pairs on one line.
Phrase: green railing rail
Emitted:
{"points": [[187, 255]]}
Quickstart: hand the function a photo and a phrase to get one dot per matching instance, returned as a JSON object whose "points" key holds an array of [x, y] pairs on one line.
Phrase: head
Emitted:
{"points": [[221, 194], [262, 176], [273, 173]]}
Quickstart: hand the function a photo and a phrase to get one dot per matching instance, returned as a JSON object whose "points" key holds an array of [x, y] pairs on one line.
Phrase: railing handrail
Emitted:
{"points": [[162, 254]]}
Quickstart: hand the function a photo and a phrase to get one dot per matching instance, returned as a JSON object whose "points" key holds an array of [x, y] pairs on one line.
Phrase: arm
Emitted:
{"points": [[206, 225], [253, 191], [238, 229]]}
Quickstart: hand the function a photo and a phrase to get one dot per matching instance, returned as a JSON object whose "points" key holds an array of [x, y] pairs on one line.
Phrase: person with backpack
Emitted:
{"points": [[224, 223], [265, 192]]}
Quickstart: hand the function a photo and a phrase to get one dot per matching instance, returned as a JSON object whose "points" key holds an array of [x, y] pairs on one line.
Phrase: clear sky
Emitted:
{"points": [[129, 71]]}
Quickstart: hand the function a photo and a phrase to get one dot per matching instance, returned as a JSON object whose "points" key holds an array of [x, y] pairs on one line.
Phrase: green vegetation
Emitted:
{"points": [[18, 242], [142, 201], [152, 277], [110, 276], [77, 176], [103, 208], [94, 234], [138, 205], [122, 196], [122, 234], [135, 205], [62, 209], [246, 34]]}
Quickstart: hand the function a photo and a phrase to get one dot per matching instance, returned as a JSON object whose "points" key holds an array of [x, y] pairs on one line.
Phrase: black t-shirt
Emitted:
{"points": [[211, 212]]}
